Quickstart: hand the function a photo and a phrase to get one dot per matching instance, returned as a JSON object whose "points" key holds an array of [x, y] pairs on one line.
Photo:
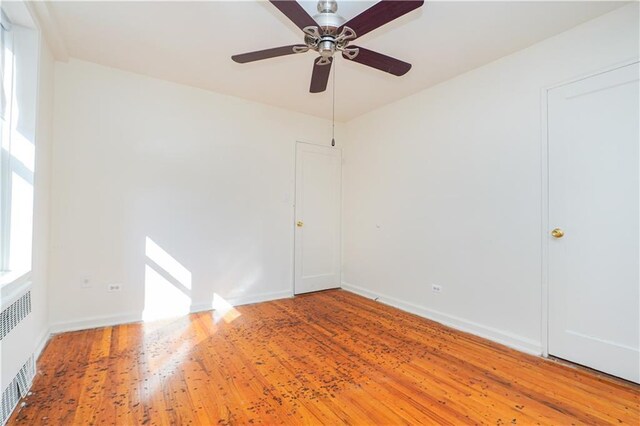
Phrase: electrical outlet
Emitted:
{"points": [[114, 287], [436, 288]]}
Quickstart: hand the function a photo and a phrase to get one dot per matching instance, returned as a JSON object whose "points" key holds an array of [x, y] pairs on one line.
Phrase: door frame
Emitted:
{"points": [[544, 151], [293, 211]]}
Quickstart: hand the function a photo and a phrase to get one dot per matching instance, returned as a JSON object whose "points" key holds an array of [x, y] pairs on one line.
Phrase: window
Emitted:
{"points": [[18, 71]]}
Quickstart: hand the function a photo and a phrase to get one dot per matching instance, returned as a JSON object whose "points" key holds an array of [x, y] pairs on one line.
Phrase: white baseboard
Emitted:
{"points": [[506, 338], [42, 342], [95, 322], [118, 319], [257, 298], [200, 307], [243, 300]]}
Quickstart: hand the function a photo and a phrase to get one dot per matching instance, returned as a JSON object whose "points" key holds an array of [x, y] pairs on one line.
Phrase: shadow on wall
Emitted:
{"points": [[168, 288]]}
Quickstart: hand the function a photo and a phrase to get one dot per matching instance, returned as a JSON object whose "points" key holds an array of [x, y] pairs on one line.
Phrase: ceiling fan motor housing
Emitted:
{"points": [[327, 47], [324, 38]]}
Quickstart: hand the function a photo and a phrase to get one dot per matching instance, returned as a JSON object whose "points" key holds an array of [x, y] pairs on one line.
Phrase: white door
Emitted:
{"points": [[317, 241], [594, 281]]}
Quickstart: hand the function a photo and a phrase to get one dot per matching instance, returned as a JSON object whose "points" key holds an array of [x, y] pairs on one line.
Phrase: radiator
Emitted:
{"points": [[14, 313], [19, 386], [17, 389]]}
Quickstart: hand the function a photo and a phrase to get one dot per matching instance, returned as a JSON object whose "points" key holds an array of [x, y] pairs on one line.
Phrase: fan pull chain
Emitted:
{"points": [[333, 109]]}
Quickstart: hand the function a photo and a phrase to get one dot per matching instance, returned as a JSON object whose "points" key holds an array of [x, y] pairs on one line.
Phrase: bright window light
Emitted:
{"points": [[23, 151], [21, 223], [18, 72]]}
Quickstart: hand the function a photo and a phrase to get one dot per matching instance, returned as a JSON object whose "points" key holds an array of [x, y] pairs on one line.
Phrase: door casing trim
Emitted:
{"points": [[544, 182]]}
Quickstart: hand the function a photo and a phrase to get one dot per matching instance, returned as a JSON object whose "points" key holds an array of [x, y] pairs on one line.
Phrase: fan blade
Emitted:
{"points": [[320, 76], [379, 61], [269, 53], [379, 14], [295, 13]]}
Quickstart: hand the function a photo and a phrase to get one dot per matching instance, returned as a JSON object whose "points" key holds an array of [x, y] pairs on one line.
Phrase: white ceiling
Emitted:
{"points": [[191, 43]]}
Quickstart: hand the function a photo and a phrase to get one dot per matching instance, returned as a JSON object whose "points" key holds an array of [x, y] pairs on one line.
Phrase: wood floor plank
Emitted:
{"points": [[488, 378], [324, 358]]}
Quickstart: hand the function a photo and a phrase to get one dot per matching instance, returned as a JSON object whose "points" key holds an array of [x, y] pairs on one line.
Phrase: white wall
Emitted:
{"points": [[444, 187], [207, 178]]}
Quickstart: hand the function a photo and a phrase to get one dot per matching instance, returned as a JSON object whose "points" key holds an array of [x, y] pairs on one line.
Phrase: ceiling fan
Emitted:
{"points": [[327, 32]]}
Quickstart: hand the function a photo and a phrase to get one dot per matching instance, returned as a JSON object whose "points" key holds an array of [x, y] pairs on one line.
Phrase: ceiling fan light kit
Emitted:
{"points": [[327, 33], [327, 17]]}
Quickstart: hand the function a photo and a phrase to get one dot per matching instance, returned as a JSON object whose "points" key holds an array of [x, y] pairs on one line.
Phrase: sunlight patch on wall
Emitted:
{"points": [[161, 298], [167, 262], [167, 285]]}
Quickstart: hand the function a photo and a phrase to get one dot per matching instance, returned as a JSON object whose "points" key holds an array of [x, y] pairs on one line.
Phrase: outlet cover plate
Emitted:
{"points": [[114, 287]]}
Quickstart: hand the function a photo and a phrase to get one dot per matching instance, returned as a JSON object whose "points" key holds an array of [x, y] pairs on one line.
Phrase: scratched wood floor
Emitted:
{"points": [[330, 357]]}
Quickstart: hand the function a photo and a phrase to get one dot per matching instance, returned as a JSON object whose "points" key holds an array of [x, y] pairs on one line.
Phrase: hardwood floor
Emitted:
{"points": [[330, 357]]}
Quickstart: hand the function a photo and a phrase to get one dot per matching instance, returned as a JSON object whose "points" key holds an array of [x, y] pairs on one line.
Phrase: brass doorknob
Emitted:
{"points": [[299, 224], [557, 233]]}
